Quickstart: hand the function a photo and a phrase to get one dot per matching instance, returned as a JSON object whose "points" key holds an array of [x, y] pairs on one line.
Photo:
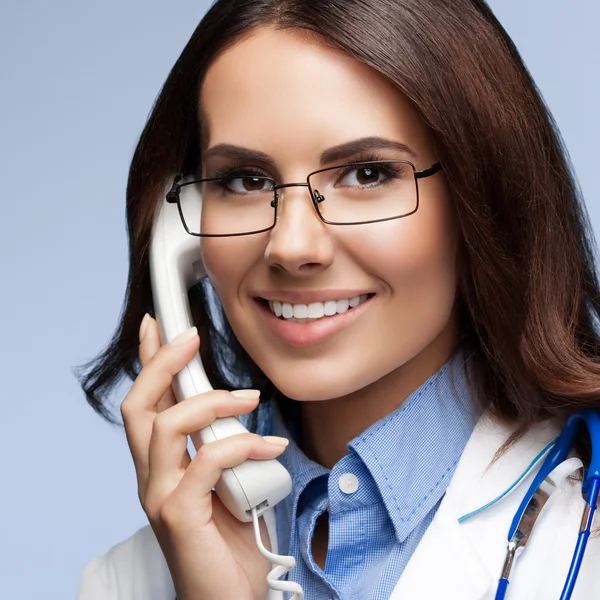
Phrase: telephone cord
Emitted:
{"points": [[285, 564]]}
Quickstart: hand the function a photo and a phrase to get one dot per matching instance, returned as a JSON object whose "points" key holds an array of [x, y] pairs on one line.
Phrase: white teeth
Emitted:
{"points": [[300, 311], [316, 310], [303, 313], [287, 311], [330, 308], [342, 306]]}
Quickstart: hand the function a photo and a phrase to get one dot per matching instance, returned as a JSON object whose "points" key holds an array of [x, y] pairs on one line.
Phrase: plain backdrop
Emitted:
{"points": [[77, 80]]}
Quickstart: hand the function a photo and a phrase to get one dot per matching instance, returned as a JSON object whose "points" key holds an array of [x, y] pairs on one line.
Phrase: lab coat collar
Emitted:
{"points": [[463, 561]]}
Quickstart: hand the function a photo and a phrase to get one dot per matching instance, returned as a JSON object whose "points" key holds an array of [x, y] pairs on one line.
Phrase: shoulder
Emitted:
{"points": [[541, 570], [553, 541], [136, 569], [133, 569], [466, 542]]}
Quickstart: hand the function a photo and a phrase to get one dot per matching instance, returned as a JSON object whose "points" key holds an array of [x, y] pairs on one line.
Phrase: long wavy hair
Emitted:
{"points": [[528, 295]]}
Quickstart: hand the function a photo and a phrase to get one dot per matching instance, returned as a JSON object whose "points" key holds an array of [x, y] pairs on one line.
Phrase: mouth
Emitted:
{"points": [[315, 311], [299, 324]]}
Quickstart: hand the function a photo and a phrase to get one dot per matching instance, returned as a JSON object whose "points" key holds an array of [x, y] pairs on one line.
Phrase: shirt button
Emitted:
{"points": [[348, 483]]}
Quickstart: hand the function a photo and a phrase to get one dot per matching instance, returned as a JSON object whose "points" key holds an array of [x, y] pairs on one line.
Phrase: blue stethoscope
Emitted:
{"points": [[539, 492]]}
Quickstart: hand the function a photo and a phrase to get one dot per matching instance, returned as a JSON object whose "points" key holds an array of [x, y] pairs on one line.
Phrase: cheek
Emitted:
{"points": [[415, 259], [414, 254], [213, 257], [425, 281], [227, 262]]}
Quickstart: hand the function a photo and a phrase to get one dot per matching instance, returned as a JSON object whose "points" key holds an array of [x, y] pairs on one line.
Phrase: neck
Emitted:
{"points": [[327, 426]]}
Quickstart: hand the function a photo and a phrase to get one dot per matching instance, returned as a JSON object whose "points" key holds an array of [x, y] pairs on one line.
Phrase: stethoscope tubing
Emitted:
{"points": [[502, 589], [582, 538], [591, 487]]}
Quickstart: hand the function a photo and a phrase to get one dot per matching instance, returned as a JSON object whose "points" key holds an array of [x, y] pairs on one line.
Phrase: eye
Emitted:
{"points": [[247, 184], [371, 174], [362, 175]]}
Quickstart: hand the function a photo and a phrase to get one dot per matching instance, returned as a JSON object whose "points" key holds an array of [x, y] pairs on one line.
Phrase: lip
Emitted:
{"points": [[308, 297], [307, 334]]}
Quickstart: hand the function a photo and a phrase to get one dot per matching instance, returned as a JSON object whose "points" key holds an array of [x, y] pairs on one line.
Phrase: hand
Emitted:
{"points": [[210, 554]]}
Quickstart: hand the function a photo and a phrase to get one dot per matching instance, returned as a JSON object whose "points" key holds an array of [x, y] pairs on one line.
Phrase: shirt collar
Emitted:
{"points": [[302, 469], [411, 453]]}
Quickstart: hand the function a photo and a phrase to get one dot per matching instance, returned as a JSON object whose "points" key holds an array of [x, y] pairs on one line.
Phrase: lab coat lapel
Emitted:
{"points": [[462, 561], [444, 565]]}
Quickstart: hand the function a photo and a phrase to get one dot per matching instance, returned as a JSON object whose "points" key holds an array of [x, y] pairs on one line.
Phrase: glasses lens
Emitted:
{"points": [[365, 192], [228, 206]]}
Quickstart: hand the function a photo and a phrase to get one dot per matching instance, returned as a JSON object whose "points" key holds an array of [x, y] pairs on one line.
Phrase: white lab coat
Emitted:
{"points": [[453, 561]]}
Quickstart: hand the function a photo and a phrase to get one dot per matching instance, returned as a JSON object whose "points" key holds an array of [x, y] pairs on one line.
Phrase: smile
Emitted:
{"points": [[307, 313], [334, 316]]}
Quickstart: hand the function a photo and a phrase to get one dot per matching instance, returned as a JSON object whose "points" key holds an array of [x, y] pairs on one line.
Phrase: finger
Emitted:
{"points": [[171, 428], [160, 364], [191, 490], [140, 405], [155, 378], [150, 344]]}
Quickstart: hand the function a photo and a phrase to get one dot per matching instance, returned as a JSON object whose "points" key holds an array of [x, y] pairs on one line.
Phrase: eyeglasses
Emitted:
{"points": [[243, 203]]}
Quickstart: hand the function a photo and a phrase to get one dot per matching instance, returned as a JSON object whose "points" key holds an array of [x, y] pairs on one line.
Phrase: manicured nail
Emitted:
{"points": [[184, 338], [249, 394], [275, 439], [144, 326]]}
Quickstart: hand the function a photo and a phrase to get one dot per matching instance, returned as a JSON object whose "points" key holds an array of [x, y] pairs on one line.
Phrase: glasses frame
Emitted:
{"points": [[173, 195]]}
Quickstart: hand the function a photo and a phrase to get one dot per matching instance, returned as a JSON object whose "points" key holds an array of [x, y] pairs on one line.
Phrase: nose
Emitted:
{"points": [[300, 243]]}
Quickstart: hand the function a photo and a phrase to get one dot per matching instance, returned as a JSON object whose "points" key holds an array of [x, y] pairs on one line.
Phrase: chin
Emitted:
{"points": [[306, 387]]}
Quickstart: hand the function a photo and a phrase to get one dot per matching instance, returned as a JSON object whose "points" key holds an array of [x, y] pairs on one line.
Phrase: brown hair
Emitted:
{"points": [[528, 293]]}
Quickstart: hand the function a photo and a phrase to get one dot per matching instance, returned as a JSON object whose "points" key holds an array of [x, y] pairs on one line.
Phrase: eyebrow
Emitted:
{"points": [[334, 154]]}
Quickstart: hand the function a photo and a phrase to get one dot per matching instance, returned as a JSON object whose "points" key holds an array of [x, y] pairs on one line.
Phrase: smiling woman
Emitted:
{"points": [[406, 264], [403, 268]]}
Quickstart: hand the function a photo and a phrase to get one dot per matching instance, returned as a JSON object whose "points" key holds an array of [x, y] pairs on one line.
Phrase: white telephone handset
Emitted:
{"points": [[175, 266]]}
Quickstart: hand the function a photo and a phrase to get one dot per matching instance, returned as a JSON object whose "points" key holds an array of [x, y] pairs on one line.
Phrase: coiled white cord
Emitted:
{"points": [[285, 564]]}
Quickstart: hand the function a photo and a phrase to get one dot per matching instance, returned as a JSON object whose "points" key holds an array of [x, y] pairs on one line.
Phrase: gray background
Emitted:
{"points": [[77, 80]]}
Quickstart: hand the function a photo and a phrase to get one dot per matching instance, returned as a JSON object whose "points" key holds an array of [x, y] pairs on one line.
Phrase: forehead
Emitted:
{"points": [[286, 91]]}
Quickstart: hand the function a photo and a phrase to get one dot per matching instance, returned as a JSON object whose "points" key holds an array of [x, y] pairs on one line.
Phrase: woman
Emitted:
{"points": [[418, 350]]}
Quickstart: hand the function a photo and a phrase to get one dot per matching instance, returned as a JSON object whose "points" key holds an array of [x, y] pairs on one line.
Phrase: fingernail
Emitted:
{"points": [[183, 338], [144, 326], [275, 439], [250, 394]]}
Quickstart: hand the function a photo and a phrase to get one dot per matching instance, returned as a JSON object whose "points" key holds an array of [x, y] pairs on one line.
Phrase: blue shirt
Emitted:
{"points": [[381, 496]]}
